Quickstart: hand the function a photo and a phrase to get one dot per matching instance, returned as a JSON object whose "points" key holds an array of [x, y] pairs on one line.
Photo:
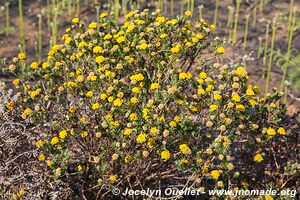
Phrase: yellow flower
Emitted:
{"points": [[54, 140], [184, 76], [93, 25], [118, 102], [145, 113], [177, 118], [70, 84], [80, 78], [271, 132], [136, 90], [55, 48], [213, 107], [49, 163], [72, 57], [27, 112], [91, 78], [27, 87], [39, 143], [180, 102], [72, 109], [151, 142], [63, 134], [184, 161], [215, 174], [154, 86], [115, 123], [84, 134], [220, 50], [160, 19], [130, 27], [199, 36], [236, 98], [121, 39], [258, 158], [134, 100], [162, 119], [249, 92], [79, 168], [16, 82], [165, 155], [97, 49], [137, 77], [22, 56], [34, 65], [281, 131], [96, 106], [113, 178], [176, 49], [188, 13], [110, 99], [103, 96], [130, 14], [68, 40], [256, 89], [217, 97], [173, 124], [143, 46], [103, 15], [200, 91], [268, 197], [195, 40], [127, 159], [19, 194], [130, 60], [71, 74], [107, 37], [209, 88], [41, 157], [127, 131], [89, 94], [133, 117], [154, 130], [252, 102], [184, 148], [45, 65], [240, 107], [163, 36], [241, 71], [100, 59], [141, 138], [10, 105], [34, 93], [188, 44], [75, 20]]}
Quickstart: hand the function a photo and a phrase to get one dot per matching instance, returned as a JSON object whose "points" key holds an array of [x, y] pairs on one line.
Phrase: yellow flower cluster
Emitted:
{"points": [[128, 94]]}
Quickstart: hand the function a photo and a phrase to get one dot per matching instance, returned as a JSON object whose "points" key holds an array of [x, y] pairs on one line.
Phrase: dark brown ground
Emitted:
{"points": [[9, 44]]}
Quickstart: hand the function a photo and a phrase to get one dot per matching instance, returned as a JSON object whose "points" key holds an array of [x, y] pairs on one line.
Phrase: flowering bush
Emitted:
{"points": [[144, 104]]}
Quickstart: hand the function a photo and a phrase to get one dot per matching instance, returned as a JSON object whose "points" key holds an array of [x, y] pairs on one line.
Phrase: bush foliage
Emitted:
{"points": [[147, 104]]}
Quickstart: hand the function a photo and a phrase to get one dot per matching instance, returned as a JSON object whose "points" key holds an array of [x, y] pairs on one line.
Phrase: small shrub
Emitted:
{"points": [[146, 104]]}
